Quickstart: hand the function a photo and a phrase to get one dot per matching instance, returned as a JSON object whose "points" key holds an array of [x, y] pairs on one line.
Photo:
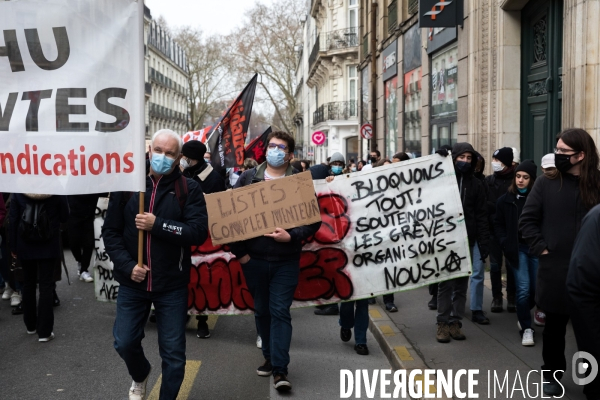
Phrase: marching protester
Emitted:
{"points": [[498, 183], [522, 262], [360, 165], [452, 294], [583, 288], [550, 222], [271, 266], [34, 221], [81, 231], [194, 167], [173, 204], [402, 156]]}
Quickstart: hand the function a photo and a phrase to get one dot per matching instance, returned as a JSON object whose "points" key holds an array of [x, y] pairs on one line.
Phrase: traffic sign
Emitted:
{"points": [[366, 131], [318, 138]]}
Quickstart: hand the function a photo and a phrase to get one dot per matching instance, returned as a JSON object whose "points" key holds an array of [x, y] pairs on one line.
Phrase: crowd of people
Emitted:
{"points": [[543, 228]]}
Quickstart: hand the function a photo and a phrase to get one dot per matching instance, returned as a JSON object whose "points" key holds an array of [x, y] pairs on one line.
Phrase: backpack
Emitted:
{"points": [[35, 223]]}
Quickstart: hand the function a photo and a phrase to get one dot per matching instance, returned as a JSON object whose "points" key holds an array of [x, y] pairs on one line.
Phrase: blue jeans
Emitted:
{"points": [[477, 279], [272, 285], [133, 307], [525, 277], [359, 319]]}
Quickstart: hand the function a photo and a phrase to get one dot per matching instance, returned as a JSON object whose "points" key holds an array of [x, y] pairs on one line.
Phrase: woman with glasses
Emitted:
{"points": [[549, 223]]}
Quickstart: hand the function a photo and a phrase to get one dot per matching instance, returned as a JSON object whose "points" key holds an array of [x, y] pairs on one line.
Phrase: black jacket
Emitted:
{"points": [[266, 248], [551, 220], [506, 225], [167, 248], [474, 201], [83, 206], [209, 180], [497, 185], [583, 285], [57, 209]]}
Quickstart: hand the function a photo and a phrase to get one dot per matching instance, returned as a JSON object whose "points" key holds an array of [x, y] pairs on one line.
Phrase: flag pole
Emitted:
{"points": [[141, 234]]}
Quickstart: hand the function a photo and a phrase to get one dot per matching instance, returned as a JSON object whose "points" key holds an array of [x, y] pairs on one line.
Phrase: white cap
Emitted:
{"points": [[516, 155], [548, 161]]}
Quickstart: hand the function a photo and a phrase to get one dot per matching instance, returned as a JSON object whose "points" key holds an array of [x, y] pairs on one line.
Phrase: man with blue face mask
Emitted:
{"points": [[271, 265], [174, 219], [337, 163]]}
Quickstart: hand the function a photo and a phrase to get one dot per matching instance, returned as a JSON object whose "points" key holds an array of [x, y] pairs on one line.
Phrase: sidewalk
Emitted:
{"points": [[408, 339]]}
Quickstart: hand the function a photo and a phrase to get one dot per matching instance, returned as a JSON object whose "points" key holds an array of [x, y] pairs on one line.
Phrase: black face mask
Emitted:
{"points": [[562, 162], [463, 166], [373, 160]]}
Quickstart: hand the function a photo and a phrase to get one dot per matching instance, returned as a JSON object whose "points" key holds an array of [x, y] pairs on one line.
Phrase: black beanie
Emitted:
{"points": [[194, 149], [529, 167], [505, 155]]}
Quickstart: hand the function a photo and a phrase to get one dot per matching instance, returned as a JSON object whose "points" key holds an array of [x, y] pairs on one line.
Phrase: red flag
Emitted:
{"points": [[257, 148], [226, 142]]}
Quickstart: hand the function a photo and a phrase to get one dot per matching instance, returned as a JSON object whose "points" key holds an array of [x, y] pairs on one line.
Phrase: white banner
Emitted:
{"points": [[71, 96], [386, 230]]}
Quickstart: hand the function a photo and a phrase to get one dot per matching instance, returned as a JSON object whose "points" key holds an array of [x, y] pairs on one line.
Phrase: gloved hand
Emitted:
{"points": [[442, 152], [484, 254]]}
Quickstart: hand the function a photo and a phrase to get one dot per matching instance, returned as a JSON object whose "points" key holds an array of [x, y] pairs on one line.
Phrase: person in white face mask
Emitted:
{"points": [[498, 183]]}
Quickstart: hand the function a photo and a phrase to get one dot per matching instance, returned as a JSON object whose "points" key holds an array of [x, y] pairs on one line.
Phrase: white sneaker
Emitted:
{"points": [[33, 332], [86, 277], [7, 293], [138, 389], [78, 268], [46, 339], [528, 338], [259, 342], [15, 299]]}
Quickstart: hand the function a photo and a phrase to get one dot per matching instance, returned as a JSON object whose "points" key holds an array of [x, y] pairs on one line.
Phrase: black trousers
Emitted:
{"points": [[39, 317], [553, 351], [81, 240], [496, 257]]}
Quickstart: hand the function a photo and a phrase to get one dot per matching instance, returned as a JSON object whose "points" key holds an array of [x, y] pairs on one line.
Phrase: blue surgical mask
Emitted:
{"points": [[522, 191], [336, 169], [161, 164], [207, 160], [353, 169], [275, 157]]}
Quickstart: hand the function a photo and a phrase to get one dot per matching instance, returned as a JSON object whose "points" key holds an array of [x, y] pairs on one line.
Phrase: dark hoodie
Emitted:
{"points": [[210, 181], [474, 200]]}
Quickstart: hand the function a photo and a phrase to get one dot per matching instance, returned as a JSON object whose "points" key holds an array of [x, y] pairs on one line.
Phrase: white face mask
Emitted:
{"points": [[497, 166], [184, 163]]}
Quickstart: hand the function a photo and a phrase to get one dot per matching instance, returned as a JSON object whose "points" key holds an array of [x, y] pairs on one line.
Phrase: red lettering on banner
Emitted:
{"points": [[322, 275], [335, 220]]}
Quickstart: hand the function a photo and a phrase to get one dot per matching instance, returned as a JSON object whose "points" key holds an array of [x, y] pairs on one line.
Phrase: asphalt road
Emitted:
{"points": [[81, 362]]}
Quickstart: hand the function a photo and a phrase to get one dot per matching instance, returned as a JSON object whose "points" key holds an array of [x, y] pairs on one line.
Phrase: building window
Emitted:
{"points": [[412, 112], [353, 90], [444, 104], [391, 117], [353, 14]]}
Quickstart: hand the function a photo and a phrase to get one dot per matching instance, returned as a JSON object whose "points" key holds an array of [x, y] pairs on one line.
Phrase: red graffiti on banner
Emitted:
{"points": [[335, 220], [322, 275], [218, 285], [208, 247]]}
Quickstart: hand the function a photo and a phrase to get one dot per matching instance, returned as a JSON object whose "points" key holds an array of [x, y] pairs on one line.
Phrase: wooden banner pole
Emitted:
{"points": [[141, 235]]}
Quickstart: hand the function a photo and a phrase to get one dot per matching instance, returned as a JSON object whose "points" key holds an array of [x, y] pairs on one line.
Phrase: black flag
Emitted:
{"points": [[257, 149]]}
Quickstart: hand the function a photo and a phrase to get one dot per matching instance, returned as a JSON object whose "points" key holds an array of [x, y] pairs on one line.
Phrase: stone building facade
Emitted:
{"points": [[514, 74]]}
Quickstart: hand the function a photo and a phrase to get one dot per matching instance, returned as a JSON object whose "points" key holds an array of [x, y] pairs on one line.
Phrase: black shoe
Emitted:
{"points": [[345, 334], [202, 332], [391, 307], [361, 349], [18, 310], [497, 305], [372, 301], [432, 303], [152, 316], [511, 307], [266, 369], [552, 388], [479, 317], [281, 383], [331, 309], [56, 300]]}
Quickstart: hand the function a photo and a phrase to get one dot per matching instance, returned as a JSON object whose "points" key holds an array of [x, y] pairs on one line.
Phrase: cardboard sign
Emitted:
{"points": [[257, 209]]}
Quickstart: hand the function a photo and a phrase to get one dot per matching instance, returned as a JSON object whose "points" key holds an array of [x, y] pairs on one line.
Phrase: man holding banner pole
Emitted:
{"points": [[173, 220], [271, 266]]}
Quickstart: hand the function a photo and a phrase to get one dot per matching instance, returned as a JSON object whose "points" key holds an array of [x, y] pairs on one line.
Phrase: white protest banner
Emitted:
{"points": [[386, 230], [71, 96], [106, 288]]}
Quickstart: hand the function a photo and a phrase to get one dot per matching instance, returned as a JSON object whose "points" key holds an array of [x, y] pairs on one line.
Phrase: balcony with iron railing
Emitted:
{"points": [[341, 43], [162, 80], [336, 111], [161, 112]]}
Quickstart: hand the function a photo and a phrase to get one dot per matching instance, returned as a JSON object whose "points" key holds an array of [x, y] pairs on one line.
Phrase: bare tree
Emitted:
{"points": [[208, 81], [265, 44]]}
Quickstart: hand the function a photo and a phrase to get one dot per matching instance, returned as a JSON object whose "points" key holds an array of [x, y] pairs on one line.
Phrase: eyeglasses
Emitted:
{"points": [[277, 146], [559, 150]]}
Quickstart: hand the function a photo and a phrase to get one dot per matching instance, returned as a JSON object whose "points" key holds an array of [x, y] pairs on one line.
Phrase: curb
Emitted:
{"points": [[395, 346]]}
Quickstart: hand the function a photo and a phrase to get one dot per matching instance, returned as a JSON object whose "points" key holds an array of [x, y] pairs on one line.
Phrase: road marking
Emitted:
{"points": [[432, 388], [387, 330], [191, 370], [212, 321], [403, 353], [375, 313]]}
